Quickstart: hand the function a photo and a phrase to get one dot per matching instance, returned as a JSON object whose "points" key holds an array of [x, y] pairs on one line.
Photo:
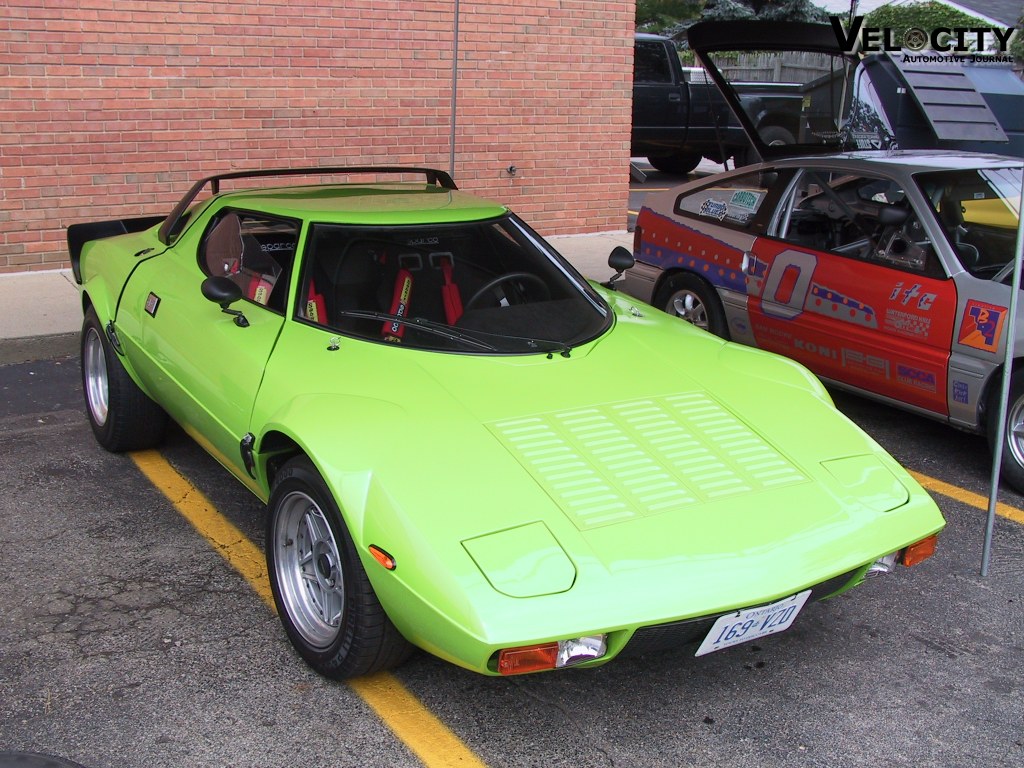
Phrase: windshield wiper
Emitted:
{"points": [[419, 323]]}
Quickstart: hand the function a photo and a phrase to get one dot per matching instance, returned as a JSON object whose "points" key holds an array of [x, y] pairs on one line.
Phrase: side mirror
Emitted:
{"points": [[225, 292], [620, 259]]}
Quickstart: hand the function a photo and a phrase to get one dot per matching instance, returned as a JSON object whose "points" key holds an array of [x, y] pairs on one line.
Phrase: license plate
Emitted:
{"points": [[752, 623]]}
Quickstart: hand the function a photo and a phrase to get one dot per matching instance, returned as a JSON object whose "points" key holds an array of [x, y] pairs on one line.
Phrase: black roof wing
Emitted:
{"points": [[763, 35], [172, 225]]}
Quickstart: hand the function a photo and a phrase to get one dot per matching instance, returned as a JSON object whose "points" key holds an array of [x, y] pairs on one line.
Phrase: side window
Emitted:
{"points": [[742, 202], [650, 64], [862, 217], [255, 251]]}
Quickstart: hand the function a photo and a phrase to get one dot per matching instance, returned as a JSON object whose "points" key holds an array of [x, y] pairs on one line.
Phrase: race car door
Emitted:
{"points": [[847, 283], [205, 367]]}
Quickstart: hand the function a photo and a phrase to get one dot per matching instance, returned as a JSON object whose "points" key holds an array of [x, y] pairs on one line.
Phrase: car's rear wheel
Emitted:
{"points": [[1013, 438], [324, 597], [122, 416], [694, 300]]}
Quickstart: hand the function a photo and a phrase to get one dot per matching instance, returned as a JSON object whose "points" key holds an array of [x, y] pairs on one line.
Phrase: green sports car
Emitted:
{"points": [[466, 447]]}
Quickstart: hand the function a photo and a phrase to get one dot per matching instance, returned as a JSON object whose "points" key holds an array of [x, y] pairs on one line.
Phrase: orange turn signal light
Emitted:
{"points": [[920, 551], [529, 658], [383, 557]]}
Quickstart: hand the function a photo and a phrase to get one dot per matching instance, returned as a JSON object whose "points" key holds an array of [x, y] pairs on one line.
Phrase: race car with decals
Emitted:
{"points": [[462, 444], [886, 272]]}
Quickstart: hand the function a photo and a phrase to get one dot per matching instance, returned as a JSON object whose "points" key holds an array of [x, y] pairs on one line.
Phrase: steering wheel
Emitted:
{"points": [[490, 285]]}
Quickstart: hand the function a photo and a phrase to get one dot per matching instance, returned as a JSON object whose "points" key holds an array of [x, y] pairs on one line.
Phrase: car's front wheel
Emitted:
{"points": [[694, 300], [122, 416], [324, 597], [1013, 438]]}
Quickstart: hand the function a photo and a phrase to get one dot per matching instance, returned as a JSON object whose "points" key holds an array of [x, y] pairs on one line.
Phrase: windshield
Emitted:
{"points": [[978, 211], [476, 287]]}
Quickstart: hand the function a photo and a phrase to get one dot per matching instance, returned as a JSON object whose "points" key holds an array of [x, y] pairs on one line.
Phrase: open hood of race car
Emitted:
{"points": [[796, 90]]}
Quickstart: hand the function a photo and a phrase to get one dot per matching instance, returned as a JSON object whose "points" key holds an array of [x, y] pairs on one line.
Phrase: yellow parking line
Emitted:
{"points": [[967, 497], [244, 556], [426, 736]]}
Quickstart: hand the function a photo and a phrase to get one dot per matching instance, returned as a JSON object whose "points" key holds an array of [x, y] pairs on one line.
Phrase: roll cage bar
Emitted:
{"points": [[175, 221]]}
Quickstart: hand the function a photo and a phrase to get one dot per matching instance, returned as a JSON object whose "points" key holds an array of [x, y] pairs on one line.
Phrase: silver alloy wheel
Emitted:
{"points": [[309, 573], [1015, 430], [688, 306], [97, 389]]}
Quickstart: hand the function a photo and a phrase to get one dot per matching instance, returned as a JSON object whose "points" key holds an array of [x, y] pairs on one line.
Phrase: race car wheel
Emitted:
{"points": [[122, 416], [693, 299], [324, 597], [1013, 439]]}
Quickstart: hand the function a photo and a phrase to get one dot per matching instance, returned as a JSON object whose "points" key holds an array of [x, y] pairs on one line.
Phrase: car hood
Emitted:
{"points": [[658, 454]]}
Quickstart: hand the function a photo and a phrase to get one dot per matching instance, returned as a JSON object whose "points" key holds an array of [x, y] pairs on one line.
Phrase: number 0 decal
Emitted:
{"points": [[787, 284]]}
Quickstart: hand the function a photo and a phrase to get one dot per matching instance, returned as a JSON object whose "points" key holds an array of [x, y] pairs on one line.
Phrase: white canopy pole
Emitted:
{"points": [[1004, 395]]}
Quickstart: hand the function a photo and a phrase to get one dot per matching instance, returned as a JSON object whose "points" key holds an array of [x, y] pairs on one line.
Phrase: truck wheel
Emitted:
{"points": [[1013, 439], [324, 597], [680, 164], [775, 135], [695, 300], [122, 416]]}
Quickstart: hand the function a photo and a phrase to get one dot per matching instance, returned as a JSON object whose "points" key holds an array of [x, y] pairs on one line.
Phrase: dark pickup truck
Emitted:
{"points": [[679, 115]]}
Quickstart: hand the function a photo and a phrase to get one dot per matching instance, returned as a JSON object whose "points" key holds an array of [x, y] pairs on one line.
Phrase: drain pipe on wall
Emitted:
{"points": [[455, 90]]}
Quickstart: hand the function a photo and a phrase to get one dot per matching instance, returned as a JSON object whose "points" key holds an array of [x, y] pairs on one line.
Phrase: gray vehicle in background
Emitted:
{"points": [[886, 271]]}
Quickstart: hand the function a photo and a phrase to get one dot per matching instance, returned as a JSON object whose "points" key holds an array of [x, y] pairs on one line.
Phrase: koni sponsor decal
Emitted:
{"points": [[818, 350]]}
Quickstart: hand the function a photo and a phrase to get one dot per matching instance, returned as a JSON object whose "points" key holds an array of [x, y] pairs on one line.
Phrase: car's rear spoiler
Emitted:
{"points": [[80, 234], [175, 221]]}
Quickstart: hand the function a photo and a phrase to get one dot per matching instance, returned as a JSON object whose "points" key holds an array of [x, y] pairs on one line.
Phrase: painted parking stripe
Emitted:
{"points": [[426, 736], [967, 497]]}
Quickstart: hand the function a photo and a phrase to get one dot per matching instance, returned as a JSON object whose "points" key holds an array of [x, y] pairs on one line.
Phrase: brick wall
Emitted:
{"points": [[110, 108]]}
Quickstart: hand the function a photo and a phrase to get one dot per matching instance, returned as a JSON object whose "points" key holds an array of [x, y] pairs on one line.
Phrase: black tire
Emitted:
{"points": [[122, 416], [775, 135], [693, 299], [678, 164], [1013, 439], [324, 598]]}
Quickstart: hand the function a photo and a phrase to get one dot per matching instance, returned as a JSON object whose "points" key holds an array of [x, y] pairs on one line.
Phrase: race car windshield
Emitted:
{"points": [[978, 210], [484, 287]]}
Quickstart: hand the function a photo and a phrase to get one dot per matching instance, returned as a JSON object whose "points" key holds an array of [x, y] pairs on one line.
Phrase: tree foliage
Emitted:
{"points": [[659, 15], [1017, 44], [926, 15], [764, 10], [672, 17]]}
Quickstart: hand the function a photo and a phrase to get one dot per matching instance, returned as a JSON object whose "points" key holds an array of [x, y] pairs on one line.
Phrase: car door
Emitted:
{"points": [[660, 100], [847, 282], [206, 366]]}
